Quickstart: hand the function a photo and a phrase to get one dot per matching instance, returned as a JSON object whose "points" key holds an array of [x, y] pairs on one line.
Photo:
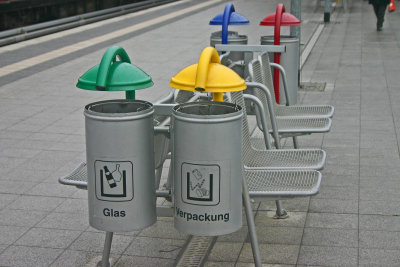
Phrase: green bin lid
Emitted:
{"points": [[113, 75]]}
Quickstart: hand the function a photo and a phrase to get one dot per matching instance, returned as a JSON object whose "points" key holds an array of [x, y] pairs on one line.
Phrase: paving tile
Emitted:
{"points": [[28, 256], [71, 258], [341, 170], [48, 238], [241, 264], [52, 190], [329, 205], [73, 205], [379, 240], [338, 192], [388, 193], [65, 221], [339, 180], [9, 234], [6, 199], [222, 264], [271, 253], [379, 207], [163, 229], [94, 242], [238, 236], [331, 220], [379, 223], [266, 218], [162, 248], [26, 175], [20, 217], [279, 235], [144, 261], [36, 203], [225, 251], [330, 237], [19, 153], [379, 257], [296, 204], [11, 162], [328, 256]]}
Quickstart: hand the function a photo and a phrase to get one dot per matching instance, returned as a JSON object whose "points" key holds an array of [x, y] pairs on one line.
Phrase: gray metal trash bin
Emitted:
{"points": [[120, 162], [207, 167], [290, 62]]}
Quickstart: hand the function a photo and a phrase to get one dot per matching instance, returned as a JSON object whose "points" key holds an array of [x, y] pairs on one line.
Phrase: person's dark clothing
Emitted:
{"points": [[379, 9]]}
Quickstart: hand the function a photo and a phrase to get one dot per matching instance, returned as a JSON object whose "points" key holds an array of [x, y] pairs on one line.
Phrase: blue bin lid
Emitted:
{"points": [[235, 19], [229, 17]]}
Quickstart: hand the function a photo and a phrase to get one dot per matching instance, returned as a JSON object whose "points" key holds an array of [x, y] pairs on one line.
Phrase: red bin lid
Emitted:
{"points": [[287, 20]]}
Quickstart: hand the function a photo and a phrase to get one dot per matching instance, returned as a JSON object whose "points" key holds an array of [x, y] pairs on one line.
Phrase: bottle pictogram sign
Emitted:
{"points": [[200, 184], [114, 180]]}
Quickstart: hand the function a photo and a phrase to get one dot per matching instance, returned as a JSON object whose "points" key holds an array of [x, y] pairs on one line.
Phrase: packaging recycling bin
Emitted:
{"points": [[120, 165], [207, 168]]}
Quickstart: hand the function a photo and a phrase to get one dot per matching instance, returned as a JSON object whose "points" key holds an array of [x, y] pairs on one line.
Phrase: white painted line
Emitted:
{"points": [[18, 66], [310, 45]]}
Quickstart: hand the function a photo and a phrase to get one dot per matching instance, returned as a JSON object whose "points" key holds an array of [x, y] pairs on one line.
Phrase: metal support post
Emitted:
{"points": [[295, 9], [295, 31], [327, 12], [250, 224], [105, 260]]}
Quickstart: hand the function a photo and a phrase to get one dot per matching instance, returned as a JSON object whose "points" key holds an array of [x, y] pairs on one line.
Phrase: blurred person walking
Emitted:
{"points": [[379, 9]]}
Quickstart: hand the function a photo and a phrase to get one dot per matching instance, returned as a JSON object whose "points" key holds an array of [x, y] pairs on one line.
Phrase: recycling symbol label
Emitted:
{"points": [[114, 180], [200, 184]]}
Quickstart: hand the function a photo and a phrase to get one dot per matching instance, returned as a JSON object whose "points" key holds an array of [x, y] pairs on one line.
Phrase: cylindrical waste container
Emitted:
{"points": [[120, 164], [234, 39], [290, 62], [207, 166]]}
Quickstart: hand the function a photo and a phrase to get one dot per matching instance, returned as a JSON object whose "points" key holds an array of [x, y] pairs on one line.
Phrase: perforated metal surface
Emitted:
{"points": [[77, 177], [287, 159], [196, 251], [276, 159], [311, 111], [303, 125], [288, 183], [262, 74]]}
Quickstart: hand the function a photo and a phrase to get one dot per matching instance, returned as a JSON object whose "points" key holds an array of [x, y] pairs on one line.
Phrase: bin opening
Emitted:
{"points": [[207, 108], [119, 106]]}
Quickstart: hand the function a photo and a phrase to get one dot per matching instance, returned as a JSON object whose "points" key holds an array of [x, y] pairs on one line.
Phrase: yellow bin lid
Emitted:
{"points": [[208, 75]]}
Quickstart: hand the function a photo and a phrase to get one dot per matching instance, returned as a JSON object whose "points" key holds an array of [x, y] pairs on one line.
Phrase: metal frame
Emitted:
{"points": [[262, 180]]}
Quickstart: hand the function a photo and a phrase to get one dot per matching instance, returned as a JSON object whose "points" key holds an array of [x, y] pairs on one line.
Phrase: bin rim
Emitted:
{"points": [[284, 38], [231, 34], [237, 112], [147, 110]]}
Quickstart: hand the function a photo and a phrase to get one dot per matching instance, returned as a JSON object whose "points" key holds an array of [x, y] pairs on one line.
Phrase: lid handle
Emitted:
{"points": [[229, 9], [110, 57], [209, 55]]}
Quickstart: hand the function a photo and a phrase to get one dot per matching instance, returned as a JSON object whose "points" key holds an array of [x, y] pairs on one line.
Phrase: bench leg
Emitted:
{"points": [[158, 177], [105, 260], [250, 224], [280, 212], [295, 143]]}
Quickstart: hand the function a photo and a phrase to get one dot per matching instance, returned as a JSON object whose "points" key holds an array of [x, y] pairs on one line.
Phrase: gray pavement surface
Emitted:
{"points": [[353, 221]]}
